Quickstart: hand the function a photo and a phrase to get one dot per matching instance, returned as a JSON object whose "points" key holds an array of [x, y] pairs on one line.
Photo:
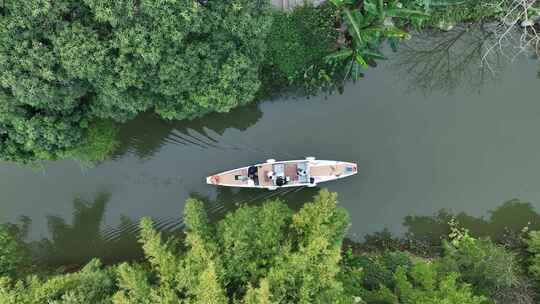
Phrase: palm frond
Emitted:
{"points": [[339, 55], [353, 19]]}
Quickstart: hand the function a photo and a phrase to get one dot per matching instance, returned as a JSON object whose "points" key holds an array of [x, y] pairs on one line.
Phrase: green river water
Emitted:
{"points": [[427, 130]]}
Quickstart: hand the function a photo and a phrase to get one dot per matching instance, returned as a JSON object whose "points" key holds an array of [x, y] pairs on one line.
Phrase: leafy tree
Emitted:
{"points": [[66, 66], [269, 254], [297, 44], [367, 28], [403, 280], [93, 284], [257, 254], [100, 142]]}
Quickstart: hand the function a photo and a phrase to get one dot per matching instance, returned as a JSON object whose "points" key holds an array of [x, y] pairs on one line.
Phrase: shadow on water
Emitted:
{"points": [[146, 134], [83, 239], [439, 61], [87, 237], [424, 234]]}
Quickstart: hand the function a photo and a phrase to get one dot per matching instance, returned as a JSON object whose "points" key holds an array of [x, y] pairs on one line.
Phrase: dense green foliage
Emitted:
{"points": [[534, 249], [92, 284], [64, 64], [253, 253], [12, 253], [297, 45], [270, 254], [100, 142], [400, 278], [486, 266], [367, 27], [68, 66]]}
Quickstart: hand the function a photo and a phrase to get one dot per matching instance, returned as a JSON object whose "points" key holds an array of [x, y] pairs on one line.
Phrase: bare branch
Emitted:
{"points": [[515, 33]]}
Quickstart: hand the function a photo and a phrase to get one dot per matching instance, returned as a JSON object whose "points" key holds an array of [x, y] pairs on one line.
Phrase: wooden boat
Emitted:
{"points": [[278, 174]]}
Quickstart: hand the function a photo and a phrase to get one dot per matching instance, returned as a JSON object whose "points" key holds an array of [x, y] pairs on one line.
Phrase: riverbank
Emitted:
{"points": [[271, 253], [307, 50]]}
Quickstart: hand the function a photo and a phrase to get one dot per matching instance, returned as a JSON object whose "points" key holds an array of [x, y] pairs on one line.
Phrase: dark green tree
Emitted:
{"points": [[66, 64]]}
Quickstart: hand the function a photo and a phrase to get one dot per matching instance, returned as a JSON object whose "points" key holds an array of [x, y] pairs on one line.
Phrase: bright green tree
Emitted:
{"points": [[422, 284], [256, 254], [93, 284]]}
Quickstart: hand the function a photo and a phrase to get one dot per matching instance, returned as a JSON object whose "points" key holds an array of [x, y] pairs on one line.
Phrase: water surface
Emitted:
{"points": [[465, 141]]}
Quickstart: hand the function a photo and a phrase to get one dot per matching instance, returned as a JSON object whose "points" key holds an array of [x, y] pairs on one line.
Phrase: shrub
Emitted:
{"points": [[424, 285], [93, 284], [374, 274], [297, 44], [100, 142], [486, 266], [393, 260], [12, 254], [533, 244]]}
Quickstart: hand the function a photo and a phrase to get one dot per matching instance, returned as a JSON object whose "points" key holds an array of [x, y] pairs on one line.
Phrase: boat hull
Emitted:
{"points": [[293, 173]]}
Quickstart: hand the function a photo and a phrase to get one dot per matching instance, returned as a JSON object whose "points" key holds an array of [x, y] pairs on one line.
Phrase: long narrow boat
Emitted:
{"points": [[291, 173]]}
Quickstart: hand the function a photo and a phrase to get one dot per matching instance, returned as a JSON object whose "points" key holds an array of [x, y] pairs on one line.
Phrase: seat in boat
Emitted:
{"points": [[291, 171], [263, 175]]}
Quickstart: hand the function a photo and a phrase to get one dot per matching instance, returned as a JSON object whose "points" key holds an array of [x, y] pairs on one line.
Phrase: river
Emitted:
{"points": [[427, 135]]}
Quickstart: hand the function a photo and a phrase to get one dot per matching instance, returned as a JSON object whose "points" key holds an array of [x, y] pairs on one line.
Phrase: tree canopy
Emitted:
{"points": [[271, 254], [67, 63]]}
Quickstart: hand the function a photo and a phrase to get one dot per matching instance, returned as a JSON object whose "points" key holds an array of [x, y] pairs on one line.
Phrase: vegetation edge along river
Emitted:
{"points": [[271, 254], [71, 70]]}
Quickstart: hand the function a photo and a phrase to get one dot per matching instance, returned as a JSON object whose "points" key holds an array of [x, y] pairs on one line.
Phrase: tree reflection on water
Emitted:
{"points": [[86, 237], [146, 134], [438, 61], [502, 225], [424, 234]]}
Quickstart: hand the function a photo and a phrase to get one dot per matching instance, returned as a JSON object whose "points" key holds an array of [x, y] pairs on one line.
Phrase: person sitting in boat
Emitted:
{"points": [[281, 181], [302, 172], [252, 172], [270, 175]]}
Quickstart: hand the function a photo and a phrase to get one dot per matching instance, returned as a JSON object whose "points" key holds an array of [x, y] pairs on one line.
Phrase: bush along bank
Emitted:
{"points": [[271, 254], [70, 71]]}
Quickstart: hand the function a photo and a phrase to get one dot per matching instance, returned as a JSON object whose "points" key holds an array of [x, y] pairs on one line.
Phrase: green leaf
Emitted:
{"points": [[373, 54], [372, 34], [371, 8], [337, 3], [339, 55], [361, 61], [352, 19], [394, 32]]}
